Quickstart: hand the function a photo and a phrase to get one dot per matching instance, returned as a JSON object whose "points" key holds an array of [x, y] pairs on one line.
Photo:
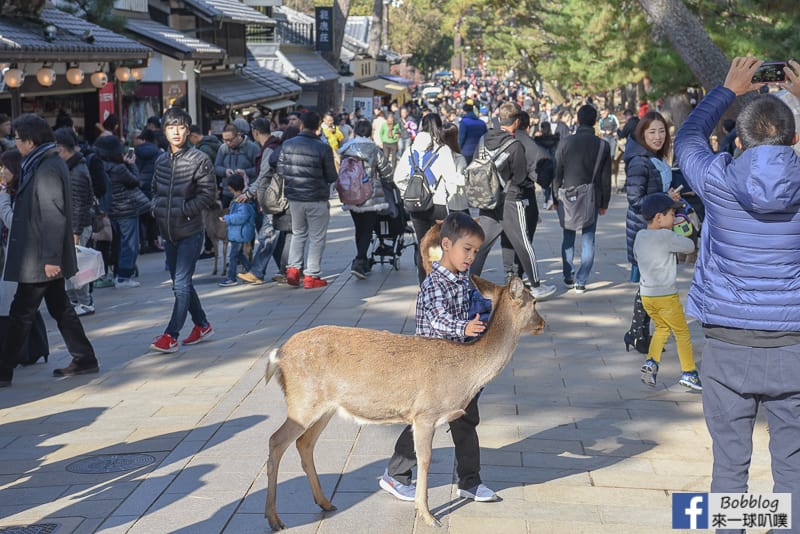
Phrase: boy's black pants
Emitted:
{"points": [[465, 439]]}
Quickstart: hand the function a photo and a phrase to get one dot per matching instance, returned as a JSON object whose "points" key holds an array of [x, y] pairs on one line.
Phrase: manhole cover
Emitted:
{"points": [[39, 528], [110, 463]]}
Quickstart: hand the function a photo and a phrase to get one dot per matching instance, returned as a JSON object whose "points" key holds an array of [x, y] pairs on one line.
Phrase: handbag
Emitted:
{"points": [[577, 205], [104, 232]]}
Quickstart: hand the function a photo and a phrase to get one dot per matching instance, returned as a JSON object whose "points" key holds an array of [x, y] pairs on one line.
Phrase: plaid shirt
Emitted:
{"points": [[443, 305]]}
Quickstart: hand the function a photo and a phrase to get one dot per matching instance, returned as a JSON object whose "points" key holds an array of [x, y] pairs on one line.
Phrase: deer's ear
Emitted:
{"points": [[516, 289], [485, 287]]}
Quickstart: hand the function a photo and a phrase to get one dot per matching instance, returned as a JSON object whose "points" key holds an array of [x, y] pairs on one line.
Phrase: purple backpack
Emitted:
{"points": [[353, 184]]}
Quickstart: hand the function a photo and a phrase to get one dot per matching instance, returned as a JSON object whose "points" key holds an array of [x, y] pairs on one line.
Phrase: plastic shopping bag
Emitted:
{"points": [[90, 267]]}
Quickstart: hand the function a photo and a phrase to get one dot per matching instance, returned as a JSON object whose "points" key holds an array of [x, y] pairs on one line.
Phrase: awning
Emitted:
{"points": [[384, 86], [249, 86], [172, 42], [229, 11], [74, 40], [280, 104], [307, 67], [397, 79]]}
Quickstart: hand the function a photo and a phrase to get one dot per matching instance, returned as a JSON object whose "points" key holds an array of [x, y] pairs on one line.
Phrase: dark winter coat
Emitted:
{"points": [[576, 157], [537, 157], [42, 222], [470, 130], [209, 145], [81, 193], [127, 200], [306, 164], [513, 167], [146, 156], [642, 178], [184, 185]]}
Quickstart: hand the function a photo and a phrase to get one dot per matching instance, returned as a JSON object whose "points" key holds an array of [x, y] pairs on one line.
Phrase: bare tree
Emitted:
{"points": [[374, 38], [688, 37]]}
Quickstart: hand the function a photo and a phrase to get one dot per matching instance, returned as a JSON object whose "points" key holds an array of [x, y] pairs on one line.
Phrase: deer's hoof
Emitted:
{"points": [[328, 507], [276, 524], [431, 521]]}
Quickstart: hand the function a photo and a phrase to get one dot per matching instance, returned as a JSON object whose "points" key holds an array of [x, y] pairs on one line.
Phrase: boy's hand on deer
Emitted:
{"points": [[474, 327]]}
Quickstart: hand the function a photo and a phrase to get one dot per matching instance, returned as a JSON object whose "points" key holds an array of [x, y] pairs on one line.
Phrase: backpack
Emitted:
{"points": [[270, 195], [353, 184], [418, 196], [483, 184]]}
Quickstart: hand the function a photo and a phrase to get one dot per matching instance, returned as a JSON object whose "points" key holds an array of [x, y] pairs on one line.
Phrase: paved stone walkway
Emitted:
{"points": [[571, 439]]}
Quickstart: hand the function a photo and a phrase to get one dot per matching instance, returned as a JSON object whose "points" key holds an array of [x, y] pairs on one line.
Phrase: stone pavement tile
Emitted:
{"points": [[534, 475], [189, 513], [369, 512], [68, 525], [504, 458], [644, 499], [633, 479], [242, 523], [479, 524], [656, 514], [27, 495], [575, 527], [293, 495]]}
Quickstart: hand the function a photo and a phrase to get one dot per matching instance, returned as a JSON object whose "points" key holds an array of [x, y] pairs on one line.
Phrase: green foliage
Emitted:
{"points": [[416, 29], [97, 12]]}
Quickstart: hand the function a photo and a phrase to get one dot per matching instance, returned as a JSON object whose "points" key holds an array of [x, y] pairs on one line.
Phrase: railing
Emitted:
{"points": [[139, 6]]}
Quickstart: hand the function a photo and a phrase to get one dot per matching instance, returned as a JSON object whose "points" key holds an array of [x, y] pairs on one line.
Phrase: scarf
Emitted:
{"points": [[665, 171], [31, 162]]}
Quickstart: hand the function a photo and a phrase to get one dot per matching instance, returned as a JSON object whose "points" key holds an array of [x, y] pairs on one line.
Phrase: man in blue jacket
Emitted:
{"points": [[470, 131], [745, 290]]}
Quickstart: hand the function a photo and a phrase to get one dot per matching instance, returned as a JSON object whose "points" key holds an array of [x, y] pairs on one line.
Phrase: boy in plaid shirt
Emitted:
{"points": [[443, 311]]}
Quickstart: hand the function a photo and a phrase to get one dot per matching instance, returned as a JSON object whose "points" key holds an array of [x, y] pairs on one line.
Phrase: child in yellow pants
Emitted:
{"points": [[654, 249]]}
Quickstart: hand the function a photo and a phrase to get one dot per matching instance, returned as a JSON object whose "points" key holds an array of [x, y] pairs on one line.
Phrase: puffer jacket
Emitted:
{"points": [[642, 178], [242, 157], [306, 164], [127, 200], [748, 271], [470, 131], [81, 193], [241, 222], [184, 185], [377, 168], [209, 145], [146, 156]]}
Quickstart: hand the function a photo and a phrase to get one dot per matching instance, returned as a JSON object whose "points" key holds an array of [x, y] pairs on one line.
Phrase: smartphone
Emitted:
{"points": [[770, 72], [131, 152], [677, 189]]}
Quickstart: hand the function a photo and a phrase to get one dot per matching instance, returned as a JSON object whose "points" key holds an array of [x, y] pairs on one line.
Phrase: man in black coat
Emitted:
{"points": [[306, 164], [41, 250], [184, 185], [582, 158]]}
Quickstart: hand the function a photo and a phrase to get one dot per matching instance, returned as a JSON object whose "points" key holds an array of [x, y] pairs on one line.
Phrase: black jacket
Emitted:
{"points": [[538, 158], [641, 179], [184, 184], [127, 200], [81, 193], [42, 224], [306, 164], [146, 156], [209, 145], [513, 167], [575, 160]]}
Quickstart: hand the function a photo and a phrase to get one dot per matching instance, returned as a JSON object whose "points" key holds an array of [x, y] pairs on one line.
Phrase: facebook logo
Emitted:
{"points": [[690, 510]]}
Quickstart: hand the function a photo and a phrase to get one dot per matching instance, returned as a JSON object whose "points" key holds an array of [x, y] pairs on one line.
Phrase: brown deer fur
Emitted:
{"points": [[331, 369], [217, 231]]}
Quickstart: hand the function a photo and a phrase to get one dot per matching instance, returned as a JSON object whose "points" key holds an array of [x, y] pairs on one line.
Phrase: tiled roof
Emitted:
{"points": [[248, 86], [229, 11], [22, 40], [307, 67], [172, 42]]}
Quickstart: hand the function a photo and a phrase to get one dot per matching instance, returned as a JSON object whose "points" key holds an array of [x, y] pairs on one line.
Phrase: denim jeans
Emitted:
{"points": [[181, 261], [268, 238], [587, 254], [236, 256], [128, 230], [309, 226]]}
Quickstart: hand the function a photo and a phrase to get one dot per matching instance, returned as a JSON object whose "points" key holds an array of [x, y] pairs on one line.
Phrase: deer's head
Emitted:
{"points": [[517, 297]]}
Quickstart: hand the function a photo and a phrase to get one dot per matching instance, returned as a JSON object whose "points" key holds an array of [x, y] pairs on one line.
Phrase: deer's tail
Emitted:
{"points": [[272, 365]]}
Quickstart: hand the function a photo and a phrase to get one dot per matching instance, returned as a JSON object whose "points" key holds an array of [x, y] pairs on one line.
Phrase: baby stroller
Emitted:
{"points": [[393, 233]]}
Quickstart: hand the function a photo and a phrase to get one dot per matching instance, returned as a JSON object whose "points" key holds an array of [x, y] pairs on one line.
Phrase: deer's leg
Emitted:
{"points": [[215, 244], [278, 443], [225, 265], [305, 446], [423, 445]]}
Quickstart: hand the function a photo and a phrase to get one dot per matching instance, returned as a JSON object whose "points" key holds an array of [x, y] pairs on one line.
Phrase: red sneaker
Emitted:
{"points": [[165, 343], [198, 334], [293, 276], [313, 282]]}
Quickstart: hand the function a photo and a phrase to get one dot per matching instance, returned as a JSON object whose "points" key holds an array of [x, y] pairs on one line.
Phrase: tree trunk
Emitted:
{"points": [[329, 95], [688, 37], [675, 109], [457, 63], [375, 27]]}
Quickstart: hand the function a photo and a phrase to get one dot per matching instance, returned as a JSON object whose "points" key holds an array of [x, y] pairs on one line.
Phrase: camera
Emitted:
{"points": [[770, 72]]}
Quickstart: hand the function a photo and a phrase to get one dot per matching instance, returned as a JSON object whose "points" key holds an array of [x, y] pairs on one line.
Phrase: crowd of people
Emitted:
{"points": [[274, 180]]}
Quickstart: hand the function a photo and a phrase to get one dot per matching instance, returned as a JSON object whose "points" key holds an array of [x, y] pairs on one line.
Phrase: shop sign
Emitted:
{"points": [[324, 28], [105, 101]]}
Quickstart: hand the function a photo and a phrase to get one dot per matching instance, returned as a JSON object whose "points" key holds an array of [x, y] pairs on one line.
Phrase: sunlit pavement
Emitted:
{"points": [[571, 439]]}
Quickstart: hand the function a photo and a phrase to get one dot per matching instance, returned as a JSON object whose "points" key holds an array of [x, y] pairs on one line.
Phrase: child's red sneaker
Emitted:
{"points": [[313, 282], [198, 334]]}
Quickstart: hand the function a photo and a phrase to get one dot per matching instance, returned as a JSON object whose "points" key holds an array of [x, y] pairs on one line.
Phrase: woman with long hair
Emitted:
{"points": [[431, 152], [647, 171]]}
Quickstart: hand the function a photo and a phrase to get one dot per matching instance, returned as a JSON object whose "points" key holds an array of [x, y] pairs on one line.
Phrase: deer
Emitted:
{"points": [[330, 369], [217, 231]]}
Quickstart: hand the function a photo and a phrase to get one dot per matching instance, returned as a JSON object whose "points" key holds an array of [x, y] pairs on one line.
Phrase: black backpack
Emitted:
{"points": [[418, 196]]}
